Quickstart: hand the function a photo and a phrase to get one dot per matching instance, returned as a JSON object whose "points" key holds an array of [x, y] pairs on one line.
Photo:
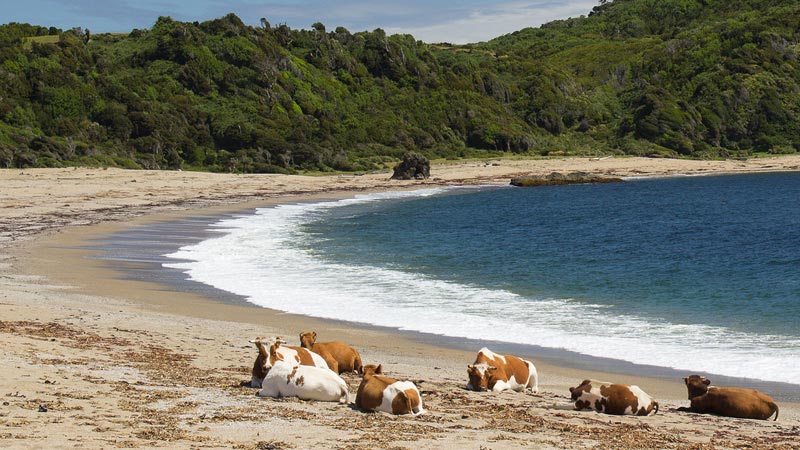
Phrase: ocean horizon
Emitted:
{"points": [[695, 274]]}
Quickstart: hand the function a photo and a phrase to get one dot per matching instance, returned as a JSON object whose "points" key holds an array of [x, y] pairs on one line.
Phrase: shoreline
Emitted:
{"points": [[145, 244], [136, 364]]}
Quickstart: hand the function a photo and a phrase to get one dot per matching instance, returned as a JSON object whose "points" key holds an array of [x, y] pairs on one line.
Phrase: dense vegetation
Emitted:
{"points": [[698, 78]]}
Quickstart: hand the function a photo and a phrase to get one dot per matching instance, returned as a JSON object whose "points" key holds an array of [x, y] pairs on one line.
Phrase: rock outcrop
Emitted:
{"points": [[557, 178], [413, 167]]}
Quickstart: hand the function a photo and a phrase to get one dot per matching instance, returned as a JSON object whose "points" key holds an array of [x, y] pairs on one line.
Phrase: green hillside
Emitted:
{"points": [[689, 78]]}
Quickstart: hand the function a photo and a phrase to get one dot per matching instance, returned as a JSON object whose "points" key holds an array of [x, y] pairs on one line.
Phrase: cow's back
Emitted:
{"points": [[347, 358], [301, 356], [736, 402], [304, 382]]}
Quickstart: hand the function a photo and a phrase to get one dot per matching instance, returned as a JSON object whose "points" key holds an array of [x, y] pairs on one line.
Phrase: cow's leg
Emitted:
{"points": [[501, 386]]}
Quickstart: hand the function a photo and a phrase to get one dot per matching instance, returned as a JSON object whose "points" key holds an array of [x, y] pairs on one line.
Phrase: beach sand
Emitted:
{"points": [[93, 359]]}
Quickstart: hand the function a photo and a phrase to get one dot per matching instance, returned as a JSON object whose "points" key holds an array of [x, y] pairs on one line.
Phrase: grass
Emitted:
{"points": [[39, 39]]}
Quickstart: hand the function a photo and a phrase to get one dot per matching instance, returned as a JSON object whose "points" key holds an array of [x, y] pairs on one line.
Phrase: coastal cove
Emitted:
{"points": [[137, 362], [139, 253]]}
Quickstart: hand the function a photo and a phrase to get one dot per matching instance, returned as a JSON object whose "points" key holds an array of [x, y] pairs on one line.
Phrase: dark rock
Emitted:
{"points": [[557, 178], [413, 167], [42, 408]]}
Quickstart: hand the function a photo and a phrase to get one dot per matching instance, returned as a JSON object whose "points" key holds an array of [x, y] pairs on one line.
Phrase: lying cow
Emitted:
{"points": [[305, 382], [730, 402], [379, 393], [339, 356], [609, 398], [497, 373], [267, 356]]}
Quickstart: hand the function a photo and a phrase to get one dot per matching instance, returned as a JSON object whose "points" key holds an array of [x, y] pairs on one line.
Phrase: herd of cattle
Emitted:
{"points": [[311, 372]]}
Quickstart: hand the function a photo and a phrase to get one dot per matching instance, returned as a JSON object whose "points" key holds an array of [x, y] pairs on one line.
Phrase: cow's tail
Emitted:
{"points": [[415, 402], [775, 409], [533, 378], [357, 365], [345, 393]]}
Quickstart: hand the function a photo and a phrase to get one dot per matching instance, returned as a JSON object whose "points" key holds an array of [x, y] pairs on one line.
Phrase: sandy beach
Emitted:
{"points": [[93, 359]]}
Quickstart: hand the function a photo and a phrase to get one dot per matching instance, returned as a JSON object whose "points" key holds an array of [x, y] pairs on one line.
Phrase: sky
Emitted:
{"points": [[454, 21]]}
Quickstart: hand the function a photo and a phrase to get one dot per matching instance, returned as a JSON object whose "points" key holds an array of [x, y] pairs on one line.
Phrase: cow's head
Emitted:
{"points": [[371, 369], [267, 355], [481, 376], [696, 385], [585, 386], [308, 339], [259, 367]]}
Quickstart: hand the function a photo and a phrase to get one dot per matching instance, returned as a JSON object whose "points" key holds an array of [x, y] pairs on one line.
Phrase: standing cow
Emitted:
{"points": [[730, 402], [380, 393], [276, 351], [339, 356], [610, 398], [493, 372]]}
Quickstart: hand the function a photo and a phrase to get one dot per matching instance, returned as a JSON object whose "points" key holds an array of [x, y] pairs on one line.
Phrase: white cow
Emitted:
{"points": [[304, 382], [275, 351]]}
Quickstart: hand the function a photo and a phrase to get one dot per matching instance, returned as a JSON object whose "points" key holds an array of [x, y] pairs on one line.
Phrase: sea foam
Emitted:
{"points": [[264, 258]]}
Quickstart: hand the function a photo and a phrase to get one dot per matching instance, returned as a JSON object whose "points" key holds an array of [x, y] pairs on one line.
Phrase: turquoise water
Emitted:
{"points": [[693, 273]]}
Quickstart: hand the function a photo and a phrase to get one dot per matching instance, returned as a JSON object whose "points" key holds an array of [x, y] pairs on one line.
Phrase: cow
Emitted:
{"points": [[339, 356], [497, 373], [267, 356], [729, 402], [304, 382], [379, 393], [610, 398]]}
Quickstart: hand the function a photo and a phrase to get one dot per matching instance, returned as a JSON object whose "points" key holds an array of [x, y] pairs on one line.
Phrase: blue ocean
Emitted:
{"points": [[693, 273]]}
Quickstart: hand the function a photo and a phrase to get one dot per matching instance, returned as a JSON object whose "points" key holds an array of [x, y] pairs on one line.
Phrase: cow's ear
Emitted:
{"points": [[686, 380], [571, 390], [262, 350], [470, 367], [314, 335], [379, 369], [706, 381]]}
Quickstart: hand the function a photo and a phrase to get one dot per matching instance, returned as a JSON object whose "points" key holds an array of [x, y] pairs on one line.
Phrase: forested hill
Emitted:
{"points": [[699, 78]]}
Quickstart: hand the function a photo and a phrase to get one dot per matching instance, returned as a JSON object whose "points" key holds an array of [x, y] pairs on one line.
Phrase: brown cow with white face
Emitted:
{"points": [[379, 393], [496, 373], [339, 356], [610, 398], [276, 351], [730, 402]]}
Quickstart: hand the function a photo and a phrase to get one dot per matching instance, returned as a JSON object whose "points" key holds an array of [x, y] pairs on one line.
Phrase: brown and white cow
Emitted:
{"points": [[493, 372], [380, 393], [304, 382], [339, 356], [730, 402], [270, 352], [610, 398]]}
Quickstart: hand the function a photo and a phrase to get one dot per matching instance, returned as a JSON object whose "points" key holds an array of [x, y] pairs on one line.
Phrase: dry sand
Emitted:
{"points": [[90, 360]]}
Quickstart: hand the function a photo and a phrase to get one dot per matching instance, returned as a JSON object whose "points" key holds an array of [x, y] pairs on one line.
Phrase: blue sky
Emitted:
{"points": [[456, 21]]}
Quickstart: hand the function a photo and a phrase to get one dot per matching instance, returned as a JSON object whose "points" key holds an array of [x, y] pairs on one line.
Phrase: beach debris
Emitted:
{"points": [[42, 408]]}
